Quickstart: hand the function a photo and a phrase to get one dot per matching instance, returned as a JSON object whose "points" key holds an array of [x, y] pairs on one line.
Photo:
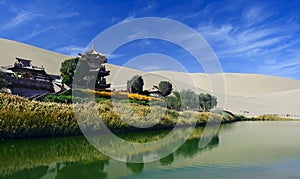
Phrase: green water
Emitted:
{"points": [[239, 150]]}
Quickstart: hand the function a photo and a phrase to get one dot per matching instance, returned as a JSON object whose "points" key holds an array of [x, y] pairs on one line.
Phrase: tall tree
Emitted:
{"points": [[189, 100], [135, 84], [68, 69], [207, 101], [3, 82], [165, 88]]}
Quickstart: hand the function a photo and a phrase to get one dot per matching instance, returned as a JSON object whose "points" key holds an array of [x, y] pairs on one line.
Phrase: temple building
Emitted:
{"points": [[96, 61], [27, 80]]}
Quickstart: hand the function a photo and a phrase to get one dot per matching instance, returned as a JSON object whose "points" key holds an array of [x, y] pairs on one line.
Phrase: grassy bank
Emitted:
{"points": [[22, 118], [268, 118]]}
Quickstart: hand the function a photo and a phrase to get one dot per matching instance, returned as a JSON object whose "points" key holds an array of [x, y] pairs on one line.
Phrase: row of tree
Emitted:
{"points": [[189, 100], [183, 100]]}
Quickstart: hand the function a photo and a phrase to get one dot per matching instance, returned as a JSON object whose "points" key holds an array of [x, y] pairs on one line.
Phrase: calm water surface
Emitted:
{"points": [[239, 150]]}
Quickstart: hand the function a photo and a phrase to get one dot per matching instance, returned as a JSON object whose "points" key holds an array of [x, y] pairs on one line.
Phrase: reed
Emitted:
{"points": [[22, 118]]}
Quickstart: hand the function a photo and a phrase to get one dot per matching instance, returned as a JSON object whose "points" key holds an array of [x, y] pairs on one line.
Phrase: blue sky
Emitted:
{"points": [[247, 36]]}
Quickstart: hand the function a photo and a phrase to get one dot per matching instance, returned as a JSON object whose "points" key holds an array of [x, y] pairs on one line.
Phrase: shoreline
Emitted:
{"points": [[33, 119]]}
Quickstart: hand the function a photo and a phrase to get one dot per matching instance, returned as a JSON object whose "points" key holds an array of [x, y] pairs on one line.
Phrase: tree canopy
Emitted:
{"points": [[207, 101], [68, 69], [173, 102], [135, 84], [165, 88], [189, 100], [3, 82]]}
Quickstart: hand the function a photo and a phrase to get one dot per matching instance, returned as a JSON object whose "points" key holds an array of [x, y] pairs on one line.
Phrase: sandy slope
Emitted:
{"points": [[256, 94], [9, 50]]}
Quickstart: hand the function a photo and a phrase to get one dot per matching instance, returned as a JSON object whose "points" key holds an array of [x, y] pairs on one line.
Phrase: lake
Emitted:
{"points": [[239, 150]]}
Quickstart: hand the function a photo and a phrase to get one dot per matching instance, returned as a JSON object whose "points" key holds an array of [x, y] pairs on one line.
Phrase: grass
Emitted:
{"points": [[22, 118], [269, 118]]}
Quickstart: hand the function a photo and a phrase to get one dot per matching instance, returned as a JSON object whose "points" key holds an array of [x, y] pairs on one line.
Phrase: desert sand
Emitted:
{"points": [[248, 94], [9, 50]]}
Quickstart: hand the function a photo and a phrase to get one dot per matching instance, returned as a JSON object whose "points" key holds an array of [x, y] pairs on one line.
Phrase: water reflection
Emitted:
{"points": [[74, 157], [167, 160], [82, 170], [190, 148]]}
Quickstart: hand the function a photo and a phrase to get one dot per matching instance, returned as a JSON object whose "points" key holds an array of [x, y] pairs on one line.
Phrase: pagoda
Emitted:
{"points": [[96, 61]]}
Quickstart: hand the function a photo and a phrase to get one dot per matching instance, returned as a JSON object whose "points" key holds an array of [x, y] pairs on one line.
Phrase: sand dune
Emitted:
{"points": [[9, 50], [253, 93]]}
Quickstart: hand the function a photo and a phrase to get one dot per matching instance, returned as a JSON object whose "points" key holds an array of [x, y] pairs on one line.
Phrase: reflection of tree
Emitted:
{"points": [[190, 147], [82, 170], [32, 173], [79, 159], [21, 155], [135, 167], [213, 143], [167, 160]]}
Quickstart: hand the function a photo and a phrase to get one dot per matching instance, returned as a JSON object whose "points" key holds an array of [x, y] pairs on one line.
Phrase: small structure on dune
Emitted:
{"points": [[96, 61], [27, 80]]}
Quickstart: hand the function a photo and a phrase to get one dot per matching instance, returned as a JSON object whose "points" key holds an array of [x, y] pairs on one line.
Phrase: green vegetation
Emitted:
{"points": [[189, 100], [268, 118], [35, 119], [3, 82], [135, 84], [165, 88], [41, 119], [207, 102], [68, 69], [173, 102]]}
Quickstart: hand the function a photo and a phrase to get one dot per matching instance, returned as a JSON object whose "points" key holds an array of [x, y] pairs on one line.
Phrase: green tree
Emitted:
{"points": [[173, 101], [3, 82], [189, 100], [165, 88], [207, 102], [68, 69], [176, 94], [135, 84]]}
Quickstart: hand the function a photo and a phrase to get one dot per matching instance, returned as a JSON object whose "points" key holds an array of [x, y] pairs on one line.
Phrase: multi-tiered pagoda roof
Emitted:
{"points": [[96, 61]]}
